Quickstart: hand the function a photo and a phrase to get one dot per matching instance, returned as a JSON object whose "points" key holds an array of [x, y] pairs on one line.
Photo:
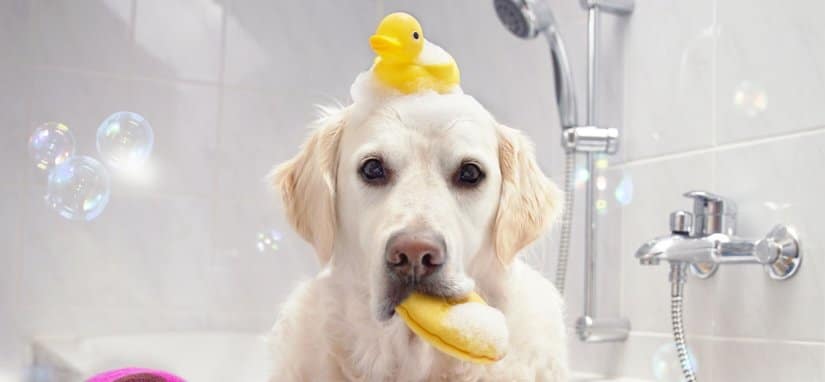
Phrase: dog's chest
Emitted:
{"points": [[391, 352]]}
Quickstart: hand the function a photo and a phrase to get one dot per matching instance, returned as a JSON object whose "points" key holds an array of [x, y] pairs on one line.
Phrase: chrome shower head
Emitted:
{"points": [[529, 18], [524, 18]]}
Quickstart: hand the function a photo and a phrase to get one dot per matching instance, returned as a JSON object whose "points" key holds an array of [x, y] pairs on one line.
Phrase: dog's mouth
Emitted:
{"points": [[442, 286]]}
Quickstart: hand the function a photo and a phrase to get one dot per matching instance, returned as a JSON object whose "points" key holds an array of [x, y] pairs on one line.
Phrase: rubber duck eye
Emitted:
{"points": [[415, 35]]}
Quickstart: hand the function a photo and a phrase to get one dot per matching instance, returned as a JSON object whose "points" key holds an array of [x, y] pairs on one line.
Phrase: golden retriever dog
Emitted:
{"points": [[437, 178]]}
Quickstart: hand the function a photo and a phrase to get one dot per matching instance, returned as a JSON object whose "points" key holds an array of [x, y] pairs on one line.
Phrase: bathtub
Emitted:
{"points": [[195, 356]]}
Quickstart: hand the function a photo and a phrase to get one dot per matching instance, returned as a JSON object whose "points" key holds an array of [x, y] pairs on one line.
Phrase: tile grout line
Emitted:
{"points": [[133, 77], [714, 118], [816, 130], [27, 173], [753, 340], [143, 78], [714, 78], [714, 123], [130, 76], [218, 139], [622, 268]]}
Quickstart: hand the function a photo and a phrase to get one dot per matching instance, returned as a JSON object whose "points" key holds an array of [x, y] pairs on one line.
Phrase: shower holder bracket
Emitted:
{"points": [[591, 139], [617, 7]]}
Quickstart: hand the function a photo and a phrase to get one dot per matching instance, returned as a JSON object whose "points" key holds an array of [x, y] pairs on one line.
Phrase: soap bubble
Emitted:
{"points": [[582, 176], [666, 366], [601, 183], [624, 191], [601, 206], [268, 241], [78, 188], [51, 144], [124, 140], [750, 98]]}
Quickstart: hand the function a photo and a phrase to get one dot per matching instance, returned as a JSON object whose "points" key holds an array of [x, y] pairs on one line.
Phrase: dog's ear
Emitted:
{"points": [[529, 201], [307, 186]]}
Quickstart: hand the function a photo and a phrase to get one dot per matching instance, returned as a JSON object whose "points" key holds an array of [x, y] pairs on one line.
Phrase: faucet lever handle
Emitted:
{"points": [[713, 213], [706, 196]]}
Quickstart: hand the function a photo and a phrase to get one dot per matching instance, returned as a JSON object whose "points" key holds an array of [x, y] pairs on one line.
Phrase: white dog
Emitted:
{"points": [[436, 178]]}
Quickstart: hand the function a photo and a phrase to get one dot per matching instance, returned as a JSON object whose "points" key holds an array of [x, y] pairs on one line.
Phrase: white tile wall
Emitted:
{"points": [[657, 190], [771, 66], [88, 35], [178, 39], [720, 95], [14, 81], [10, 248], [313, 48], [185, 117], [772, 182], [668, 77]]}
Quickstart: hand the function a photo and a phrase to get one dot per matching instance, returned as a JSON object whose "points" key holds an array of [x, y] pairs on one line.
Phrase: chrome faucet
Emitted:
{"points": [[706, 238], [703, 240]]}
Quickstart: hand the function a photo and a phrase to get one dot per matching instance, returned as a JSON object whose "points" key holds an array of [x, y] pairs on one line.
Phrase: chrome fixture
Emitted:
{"points": [[591, 139], [705, 239], [527, 19], [589, 328], [616, 7], [710, 240]]}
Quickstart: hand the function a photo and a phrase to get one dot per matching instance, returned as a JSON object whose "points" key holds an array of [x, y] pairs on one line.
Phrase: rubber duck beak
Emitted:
{"points": [[382, 44]]}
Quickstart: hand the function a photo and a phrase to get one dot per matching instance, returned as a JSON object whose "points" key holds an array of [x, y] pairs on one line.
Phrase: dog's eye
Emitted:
{"points": [[373, 172], [469, 175]]}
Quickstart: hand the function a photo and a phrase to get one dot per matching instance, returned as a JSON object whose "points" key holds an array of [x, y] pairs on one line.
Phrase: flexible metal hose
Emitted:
{"points": [[567, 219], [677, 281]]}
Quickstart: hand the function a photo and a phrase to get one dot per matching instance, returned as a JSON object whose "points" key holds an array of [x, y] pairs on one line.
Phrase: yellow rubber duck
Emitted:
{"points": [[408, 62]]}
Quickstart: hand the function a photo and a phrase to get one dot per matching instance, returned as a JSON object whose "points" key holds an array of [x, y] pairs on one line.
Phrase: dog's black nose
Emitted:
{"points": [[415, 254]]}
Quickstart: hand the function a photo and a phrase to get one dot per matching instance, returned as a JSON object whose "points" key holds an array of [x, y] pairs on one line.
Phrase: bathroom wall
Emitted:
{"points": [[718, 95], [228, 88], [722, 96]]}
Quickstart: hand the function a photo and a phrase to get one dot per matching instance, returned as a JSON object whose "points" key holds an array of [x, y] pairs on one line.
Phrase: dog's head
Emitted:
{"points": [[408, 195]]}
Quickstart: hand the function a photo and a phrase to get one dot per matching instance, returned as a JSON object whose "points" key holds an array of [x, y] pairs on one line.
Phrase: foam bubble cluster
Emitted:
{"points": [[484, 325], [367, 90]]}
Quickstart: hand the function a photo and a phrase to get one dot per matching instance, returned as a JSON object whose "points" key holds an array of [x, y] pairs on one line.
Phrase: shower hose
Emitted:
{"points": [[567, 218], [677, 279]]}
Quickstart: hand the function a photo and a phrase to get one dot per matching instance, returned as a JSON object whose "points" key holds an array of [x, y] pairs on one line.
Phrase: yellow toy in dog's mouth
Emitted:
{"points": [[466, 328]]}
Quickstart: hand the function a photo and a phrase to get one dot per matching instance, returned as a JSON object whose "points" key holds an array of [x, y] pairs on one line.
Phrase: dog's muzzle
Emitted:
{"points": [[414, 257], [416, 262]]}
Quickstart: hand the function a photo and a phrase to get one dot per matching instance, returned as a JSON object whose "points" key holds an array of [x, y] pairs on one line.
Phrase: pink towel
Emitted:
{"points": [[135, 373]]}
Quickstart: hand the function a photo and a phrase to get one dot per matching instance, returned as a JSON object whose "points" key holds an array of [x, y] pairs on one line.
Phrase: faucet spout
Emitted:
{"points": [[676, 248]]}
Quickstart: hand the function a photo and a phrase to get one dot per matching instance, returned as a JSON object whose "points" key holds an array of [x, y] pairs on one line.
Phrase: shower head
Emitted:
{"points": [[524, 18], [529, 18]]}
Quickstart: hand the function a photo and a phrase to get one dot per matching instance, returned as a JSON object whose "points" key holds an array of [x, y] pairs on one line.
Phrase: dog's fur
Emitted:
{"points": [[339, 325]]}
